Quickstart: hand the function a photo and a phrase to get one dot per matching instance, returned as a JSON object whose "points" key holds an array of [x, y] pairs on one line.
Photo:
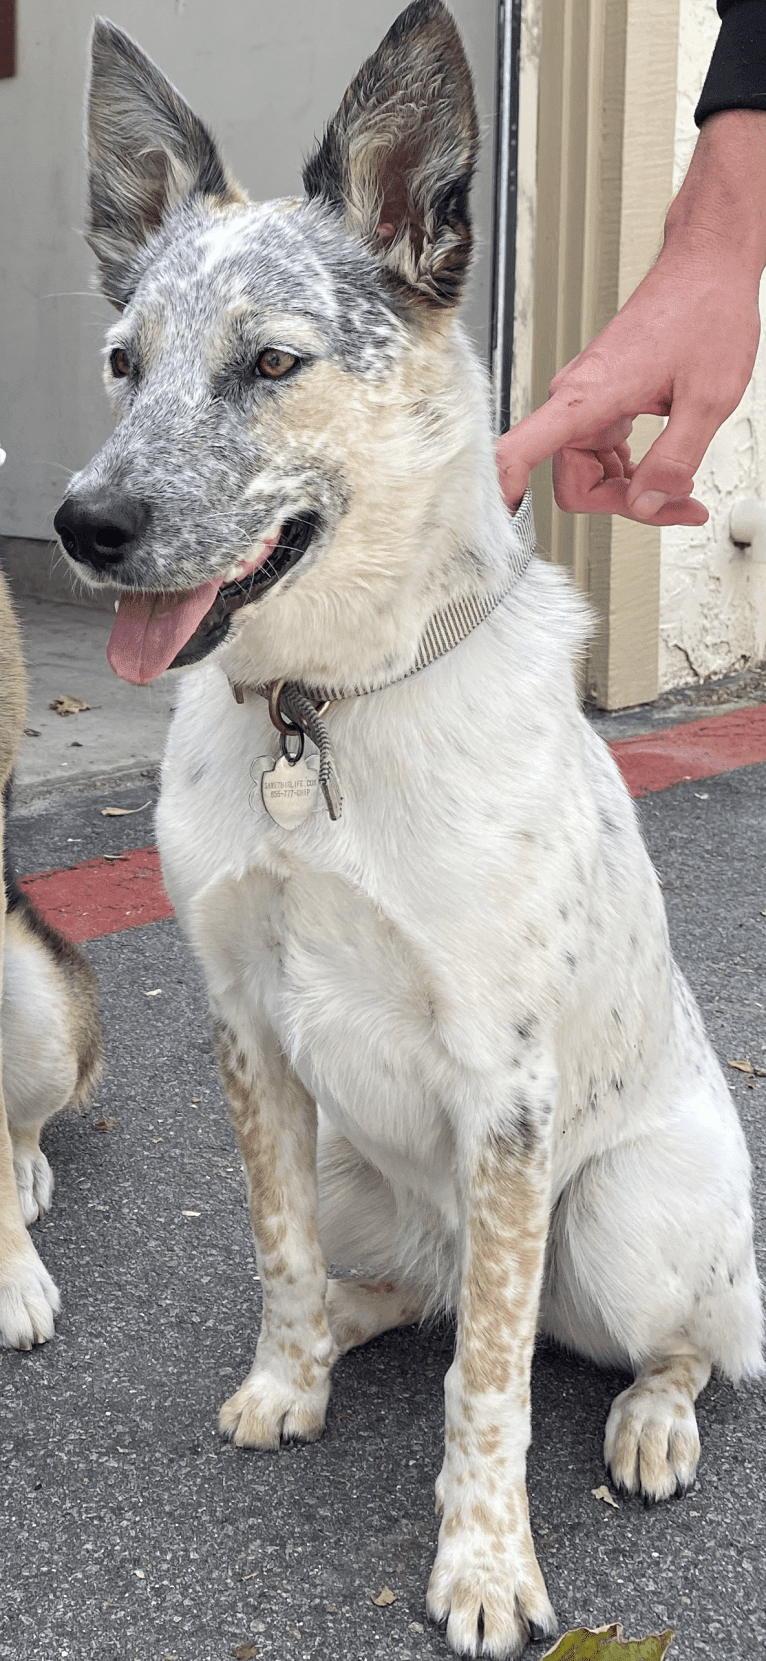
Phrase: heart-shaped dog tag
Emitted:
{"points": [[289, 790]]}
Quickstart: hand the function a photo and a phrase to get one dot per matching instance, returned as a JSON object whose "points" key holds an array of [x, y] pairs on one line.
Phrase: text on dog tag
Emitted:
{"points": [[289, 790]]}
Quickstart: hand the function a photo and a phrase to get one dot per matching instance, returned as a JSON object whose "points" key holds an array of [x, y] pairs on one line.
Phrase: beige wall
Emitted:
{"points": [[687, 604], [265, 77]]}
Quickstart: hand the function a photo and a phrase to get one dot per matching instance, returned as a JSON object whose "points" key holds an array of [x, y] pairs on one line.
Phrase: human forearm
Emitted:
{"points": [[721, 205]]}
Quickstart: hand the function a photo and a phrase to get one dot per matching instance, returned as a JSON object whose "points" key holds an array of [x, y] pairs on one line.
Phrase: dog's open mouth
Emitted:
{"points": [[154, 632]]}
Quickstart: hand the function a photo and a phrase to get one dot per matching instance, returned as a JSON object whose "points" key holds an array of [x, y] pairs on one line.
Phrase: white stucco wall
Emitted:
{"points": [[712, 596]]}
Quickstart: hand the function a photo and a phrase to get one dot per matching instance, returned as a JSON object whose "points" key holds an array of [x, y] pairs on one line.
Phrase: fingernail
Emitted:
{"points": [[650, 503]]}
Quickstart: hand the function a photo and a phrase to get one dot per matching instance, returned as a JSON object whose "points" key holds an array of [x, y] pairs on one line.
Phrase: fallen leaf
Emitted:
{"points": [[33, 732], [603, 1493], [157, 993], [65, 705], [191, 1213], [605, 1643], [106, 1124], [122, 812], [244, 1652], [751, 1073], [384, 1597]]}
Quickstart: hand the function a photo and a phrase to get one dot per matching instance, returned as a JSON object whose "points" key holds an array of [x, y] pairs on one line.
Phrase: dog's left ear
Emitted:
{"points": [[398, 157], [147, 151]]}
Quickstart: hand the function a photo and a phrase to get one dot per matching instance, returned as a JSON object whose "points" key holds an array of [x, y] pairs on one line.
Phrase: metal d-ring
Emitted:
{"points": [[277, 718]]}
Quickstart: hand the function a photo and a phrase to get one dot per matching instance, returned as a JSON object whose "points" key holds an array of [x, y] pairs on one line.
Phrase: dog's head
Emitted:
{"points": [[277, 370]]}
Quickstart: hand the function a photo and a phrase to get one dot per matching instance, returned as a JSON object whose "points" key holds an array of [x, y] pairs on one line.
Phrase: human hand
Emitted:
{"points": [[683, 345]]}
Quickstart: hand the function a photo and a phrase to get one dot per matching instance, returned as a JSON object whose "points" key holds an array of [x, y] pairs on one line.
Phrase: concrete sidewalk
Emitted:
{"points": [[117, 740]]}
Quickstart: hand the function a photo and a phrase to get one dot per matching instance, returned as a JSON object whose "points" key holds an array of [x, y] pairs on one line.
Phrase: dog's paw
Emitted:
{"points": [[267, 1410], [489, 1589], [34, 1184], [651, 1444], [29, 1301]]}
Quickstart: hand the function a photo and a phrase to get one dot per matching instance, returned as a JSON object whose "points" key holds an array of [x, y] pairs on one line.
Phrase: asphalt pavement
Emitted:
{"points": [[130, 1531]]}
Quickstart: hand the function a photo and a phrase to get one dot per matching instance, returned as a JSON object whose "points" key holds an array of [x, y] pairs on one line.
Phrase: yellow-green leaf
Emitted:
{"points": [[606, 1643]]}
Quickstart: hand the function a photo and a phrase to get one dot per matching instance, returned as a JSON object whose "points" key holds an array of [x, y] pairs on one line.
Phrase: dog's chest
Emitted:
{"points": [[352, 1003]]}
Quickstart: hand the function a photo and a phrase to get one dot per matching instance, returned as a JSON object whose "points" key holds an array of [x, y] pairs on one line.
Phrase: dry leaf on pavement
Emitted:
{"points": [[384, 1597], [66, 705], [606, 1643], [603, 1493]]}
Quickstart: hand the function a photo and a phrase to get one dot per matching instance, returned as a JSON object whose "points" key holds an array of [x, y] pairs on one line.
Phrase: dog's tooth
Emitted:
{"points": [[116, 605]]}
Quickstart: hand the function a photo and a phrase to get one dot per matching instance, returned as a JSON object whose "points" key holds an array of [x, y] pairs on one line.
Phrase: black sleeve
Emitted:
{"points": [[736, 79]]}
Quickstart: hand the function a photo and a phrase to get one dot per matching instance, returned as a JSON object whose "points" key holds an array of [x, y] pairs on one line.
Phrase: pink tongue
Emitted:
{"points": [[150, 629]]}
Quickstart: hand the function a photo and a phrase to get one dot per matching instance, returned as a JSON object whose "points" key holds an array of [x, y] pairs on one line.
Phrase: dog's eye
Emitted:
{"points": [[272, 363], [119, 363]]}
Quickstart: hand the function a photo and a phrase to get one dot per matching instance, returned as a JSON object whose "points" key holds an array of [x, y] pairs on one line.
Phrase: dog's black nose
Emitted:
{"points": [[100, 530]]}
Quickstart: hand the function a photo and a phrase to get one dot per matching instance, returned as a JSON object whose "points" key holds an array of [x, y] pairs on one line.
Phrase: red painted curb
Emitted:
{"points": [[106, 896], [101, 896], [694, 750]]}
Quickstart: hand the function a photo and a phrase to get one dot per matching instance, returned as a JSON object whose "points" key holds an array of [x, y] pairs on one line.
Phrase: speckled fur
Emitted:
{"points": [[520, 1116]]}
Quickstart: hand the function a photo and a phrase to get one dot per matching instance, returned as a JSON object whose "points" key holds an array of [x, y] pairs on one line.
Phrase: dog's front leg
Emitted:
{"points": [[284, 1397], [486, 1582]]}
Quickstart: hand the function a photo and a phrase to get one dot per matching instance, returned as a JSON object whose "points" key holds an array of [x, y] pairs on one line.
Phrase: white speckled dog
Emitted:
{"points": [[442, 929]]}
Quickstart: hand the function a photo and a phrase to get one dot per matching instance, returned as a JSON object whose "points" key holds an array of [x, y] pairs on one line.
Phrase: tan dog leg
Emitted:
{"points": [[486, 1582], [284, 1397], [28, 1298]]}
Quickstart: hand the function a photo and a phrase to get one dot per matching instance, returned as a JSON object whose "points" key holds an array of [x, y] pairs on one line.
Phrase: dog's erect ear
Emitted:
{"points": [[398, 157], [146, 152]]}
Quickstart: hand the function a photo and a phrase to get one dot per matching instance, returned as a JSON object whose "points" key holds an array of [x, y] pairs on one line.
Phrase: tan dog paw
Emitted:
{"points": [[489, 1589], [651, 1443], [267, 1410], [29, 1300], [34, 1183]]}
